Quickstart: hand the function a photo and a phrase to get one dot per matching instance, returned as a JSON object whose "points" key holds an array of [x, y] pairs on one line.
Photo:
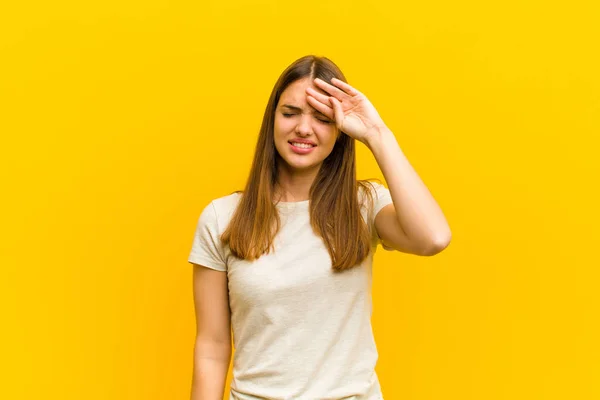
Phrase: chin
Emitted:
{"points": [[300, 164]]}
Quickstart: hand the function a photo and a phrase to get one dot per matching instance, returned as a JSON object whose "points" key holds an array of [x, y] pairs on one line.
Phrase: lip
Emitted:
{"points": [[307, 141], [298, 150]]}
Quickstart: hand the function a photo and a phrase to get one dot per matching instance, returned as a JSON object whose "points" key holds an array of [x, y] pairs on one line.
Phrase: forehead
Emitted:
{"points": [[295, 93]]}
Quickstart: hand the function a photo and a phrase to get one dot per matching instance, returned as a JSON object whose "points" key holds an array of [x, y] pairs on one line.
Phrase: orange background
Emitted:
{"points": [[120, 121]]}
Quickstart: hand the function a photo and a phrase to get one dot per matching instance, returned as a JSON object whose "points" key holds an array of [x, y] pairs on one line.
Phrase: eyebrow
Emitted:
{"points": [[300, 109]]}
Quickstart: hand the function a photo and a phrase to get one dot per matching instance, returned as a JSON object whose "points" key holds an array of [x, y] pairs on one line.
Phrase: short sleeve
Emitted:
{"points": [[381, 198], [207, 249]]}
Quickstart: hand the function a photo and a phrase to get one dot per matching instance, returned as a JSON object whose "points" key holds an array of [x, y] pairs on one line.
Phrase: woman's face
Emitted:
{"points": [[295, 121]]}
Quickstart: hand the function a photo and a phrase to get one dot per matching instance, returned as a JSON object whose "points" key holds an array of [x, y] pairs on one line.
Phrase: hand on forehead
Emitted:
{"points": [[296, 95]]}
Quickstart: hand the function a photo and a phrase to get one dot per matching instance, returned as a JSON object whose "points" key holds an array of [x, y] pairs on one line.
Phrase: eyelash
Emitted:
{"points": [[321, 120]]}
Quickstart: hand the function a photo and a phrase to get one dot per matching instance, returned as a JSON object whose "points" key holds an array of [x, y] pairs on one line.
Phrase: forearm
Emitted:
{"points": [[211, 363], [419, 214]]}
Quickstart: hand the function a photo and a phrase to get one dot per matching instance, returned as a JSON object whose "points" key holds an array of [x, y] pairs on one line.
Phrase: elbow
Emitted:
{"points": [[438, 245]]}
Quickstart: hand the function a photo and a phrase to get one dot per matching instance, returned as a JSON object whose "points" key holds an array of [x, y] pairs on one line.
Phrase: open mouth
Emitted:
{"points": [[301, 148], [302, 145]]}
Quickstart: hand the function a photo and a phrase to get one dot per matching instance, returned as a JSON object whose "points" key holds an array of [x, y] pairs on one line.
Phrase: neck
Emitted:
{"points": [[294, 185]]}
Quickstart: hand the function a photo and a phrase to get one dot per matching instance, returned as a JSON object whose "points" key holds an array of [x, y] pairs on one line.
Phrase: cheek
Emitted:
{"points": [[328, 135], [282, 126]]}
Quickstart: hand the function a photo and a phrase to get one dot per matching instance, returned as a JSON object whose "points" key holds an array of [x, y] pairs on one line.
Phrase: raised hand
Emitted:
{"points": [[352, 111]]}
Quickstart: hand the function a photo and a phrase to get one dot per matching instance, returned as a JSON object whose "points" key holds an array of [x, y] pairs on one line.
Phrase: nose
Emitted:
{"points": [[304, 127]]}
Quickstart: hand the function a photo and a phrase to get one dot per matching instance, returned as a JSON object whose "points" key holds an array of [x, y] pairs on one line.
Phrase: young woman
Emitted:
{"points": [[287, 263]]}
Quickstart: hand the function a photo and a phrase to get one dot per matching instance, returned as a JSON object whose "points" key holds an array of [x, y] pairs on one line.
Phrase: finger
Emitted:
{"points": [[319, 96], [332, 90], [346, 87], [323, 108], [338, 112]]}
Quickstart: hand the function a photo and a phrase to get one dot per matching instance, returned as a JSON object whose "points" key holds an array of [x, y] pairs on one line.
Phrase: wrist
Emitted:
{"points": [[376, 134]]}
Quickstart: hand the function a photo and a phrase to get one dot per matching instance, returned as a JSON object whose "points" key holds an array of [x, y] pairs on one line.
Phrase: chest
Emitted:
{"points": [[298, 270]]}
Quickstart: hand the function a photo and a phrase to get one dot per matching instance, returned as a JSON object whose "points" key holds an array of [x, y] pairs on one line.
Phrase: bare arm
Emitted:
{"points": [[414, 223], [212, 349]]}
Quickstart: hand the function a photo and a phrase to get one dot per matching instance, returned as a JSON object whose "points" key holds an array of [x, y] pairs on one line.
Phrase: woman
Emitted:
{"points": [[287, 262]]}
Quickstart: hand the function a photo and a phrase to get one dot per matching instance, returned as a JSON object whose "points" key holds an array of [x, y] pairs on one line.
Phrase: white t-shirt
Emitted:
{"points": [[300, 331]]}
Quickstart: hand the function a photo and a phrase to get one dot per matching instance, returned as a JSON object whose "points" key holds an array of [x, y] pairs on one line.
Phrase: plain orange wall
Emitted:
{"points": [[120, 121]]}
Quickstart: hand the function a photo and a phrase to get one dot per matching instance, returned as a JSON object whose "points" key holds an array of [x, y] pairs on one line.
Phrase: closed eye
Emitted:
{"points": [[325, 121]]}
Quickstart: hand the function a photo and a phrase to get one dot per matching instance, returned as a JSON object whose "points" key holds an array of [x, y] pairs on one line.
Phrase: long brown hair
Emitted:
{"points": [[334, 202]]}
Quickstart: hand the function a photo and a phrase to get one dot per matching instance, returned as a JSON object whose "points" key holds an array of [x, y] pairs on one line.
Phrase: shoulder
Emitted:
{"points": [[225, 204], [374, 188], [378, 197], [220, 210]]}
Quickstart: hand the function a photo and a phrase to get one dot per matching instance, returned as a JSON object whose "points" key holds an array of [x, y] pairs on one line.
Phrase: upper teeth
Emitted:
{"points": [[303, 145]]}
